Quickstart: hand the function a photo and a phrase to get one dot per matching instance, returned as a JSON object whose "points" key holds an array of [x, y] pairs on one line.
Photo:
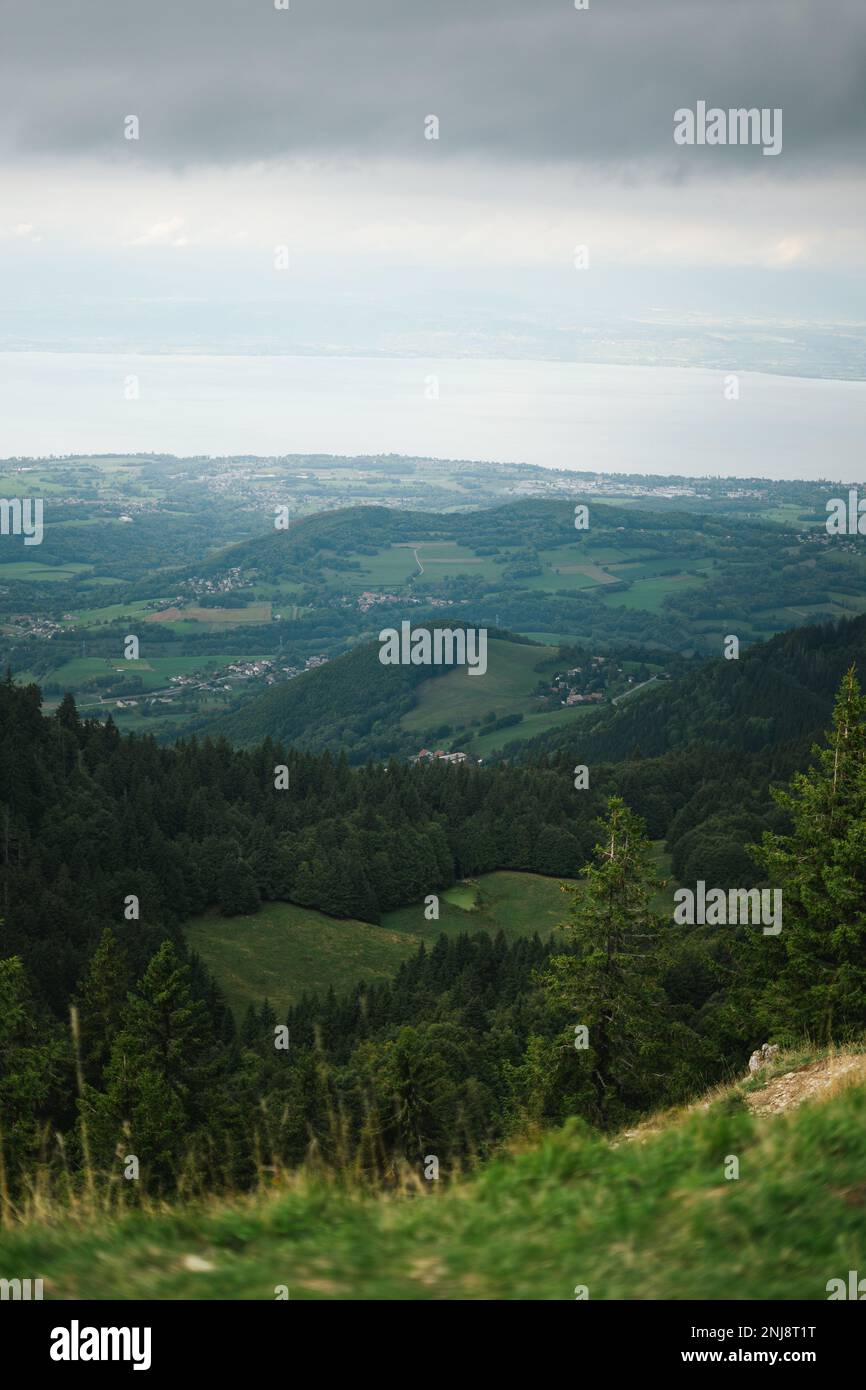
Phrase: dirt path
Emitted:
{"points": [[816, 1079]]}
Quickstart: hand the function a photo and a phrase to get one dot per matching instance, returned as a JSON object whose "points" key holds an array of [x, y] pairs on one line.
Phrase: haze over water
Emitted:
{"points": [[655, 420]]}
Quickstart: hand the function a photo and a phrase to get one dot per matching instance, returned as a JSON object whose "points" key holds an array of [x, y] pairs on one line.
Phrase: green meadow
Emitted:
{"points": [[283, 950], [33, 570], [506, 688], [483, 745]]}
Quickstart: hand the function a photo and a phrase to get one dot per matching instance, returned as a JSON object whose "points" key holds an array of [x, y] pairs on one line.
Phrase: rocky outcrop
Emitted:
{"points": [[763, 1056]]}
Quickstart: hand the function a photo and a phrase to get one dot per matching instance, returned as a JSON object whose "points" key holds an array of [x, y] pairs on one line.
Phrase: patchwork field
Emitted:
{"points": [[394, 566], [110, 613], [649, 594], [214, 617]]}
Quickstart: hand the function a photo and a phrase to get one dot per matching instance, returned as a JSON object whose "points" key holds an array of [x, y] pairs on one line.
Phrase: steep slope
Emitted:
{"points": [[778, 693], [659, 1219], [356, 704]]}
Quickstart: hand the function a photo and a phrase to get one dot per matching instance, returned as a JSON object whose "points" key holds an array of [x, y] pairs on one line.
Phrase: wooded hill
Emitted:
{"points": [[474, 1039]]}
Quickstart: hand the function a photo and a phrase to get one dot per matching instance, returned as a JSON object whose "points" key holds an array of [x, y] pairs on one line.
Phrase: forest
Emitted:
{"points": [[116, 1042]]}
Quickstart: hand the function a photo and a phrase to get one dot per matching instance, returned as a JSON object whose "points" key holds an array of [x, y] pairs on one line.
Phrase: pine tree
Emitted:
{"points": [[157, 1082], [102, 1004], [236, 889], [820, 986], [33, 1062], [610, 985]]}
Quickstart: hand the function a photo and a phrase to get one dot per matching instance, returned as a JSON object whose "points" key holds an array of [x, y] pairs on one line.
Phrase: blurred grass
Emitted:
{"points": [[653, 1218]]}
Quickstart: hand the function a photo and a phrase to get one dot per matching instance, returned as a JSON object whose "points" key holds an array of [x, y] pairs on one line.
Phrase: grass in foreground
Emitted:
{"points": [[646, 1219]]}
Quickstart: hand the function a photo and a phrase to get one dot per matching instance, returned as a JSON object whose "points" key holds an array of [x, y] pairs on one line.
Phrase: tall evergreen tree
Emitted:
{"points": [[610, 985], [820, 986], [157, 1082], [102, 1003]]}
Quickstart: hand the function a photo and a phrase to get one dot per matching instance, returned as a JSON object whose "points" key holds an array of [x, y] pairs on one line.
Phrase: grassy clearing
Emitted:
{"points": [[652, 1218], [154, 671], [484, 744], [110, 613], [32, 571], [213, 617], [284, 950], [394, 566], [506, 688], [649, 594]]}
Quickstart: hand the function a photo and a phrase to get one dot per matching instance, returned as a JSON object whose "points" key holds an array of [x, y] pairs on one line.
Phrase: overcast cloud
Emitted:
{"points": [[236, 80], [260, 127]]}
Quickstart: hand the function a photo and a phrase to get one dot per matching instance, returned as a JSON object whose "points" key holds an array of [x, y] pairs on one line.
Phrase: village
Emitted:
{"points": [[263, 669]]}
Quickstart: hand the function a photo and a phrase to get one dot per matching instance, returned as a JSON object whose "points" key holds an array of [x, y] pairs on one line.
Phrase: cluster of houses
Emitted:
{"points": [[218, 680], [571, 686], [369, 599], [29, 625], [231, 580], [262, 668], [426, 755]]}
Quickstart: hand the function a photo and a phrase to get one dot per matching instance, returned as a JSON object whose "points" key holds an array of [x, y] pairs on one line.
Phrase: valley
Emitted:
{"points": [[178, 552]]}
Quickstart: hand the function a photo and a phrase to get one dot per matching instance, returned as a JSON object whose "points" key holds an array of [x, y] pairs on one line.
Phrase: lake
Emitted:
{"points": [[559, 415]]}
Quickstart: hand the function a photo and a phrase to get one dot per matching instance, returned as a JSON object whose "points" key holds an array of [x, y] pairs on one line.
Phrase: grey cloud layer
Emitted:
{"points": [[218, 81]]}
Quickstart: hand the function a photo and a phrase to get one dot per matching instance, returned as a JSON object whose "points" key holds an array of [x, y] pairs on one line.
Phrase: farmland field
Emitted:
{"points": [[649, 594], [215, 617], [530, 725], [32, 569]]}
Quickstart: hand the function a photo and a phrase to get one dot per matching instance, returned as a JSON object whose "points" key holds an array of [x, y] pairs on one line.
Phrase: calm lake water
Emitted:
{"points": [[563, 415]]}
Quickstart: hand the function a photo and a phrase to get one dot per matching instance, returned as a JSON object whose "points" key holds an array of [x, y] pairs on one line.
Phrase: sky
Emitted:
{"points": [[305, 128]]}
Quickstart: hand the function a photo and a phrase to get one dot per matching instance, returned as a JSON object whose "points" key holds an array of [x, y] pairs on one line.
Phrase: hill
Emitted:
{"points": [[671, 580], [778, 694], [357, 705], [220, 622], [648, 1215]]}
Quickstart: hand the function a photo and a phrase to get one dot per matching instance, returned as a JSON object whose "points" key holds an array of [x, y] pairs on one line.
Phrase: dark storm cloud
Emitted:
{"points": [[236, 80]]}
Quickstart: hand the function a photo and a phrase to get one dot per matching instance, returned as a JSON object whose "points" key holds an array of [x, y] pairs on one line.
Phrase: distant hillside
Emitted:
{"points": [[697, 756], [313, 540], [344, 704], [357, 705], [778, 694]]}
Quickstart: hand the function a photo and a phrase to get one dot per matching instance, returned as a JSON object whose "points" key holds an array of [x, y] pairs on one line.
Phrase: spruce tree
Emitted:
{"points": [[609, 985], [820, 865], [158, 1080], [102, 1003]]}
